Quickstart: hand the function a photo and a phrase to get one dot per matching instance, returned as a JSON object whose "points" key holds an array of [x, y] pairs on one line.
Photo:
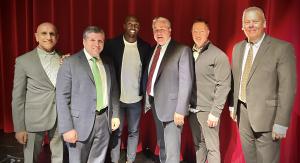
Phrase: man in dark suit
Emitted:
{"points": [[33, 104], [169, 85], [264, 73], [209, 94], [130, 55], [87, 100]]}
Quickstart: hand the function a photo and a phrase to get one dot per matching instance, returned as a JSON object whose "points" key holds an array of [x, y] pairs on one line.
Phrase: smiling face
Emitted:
{"points": [[94, 43], [131, 28], [253, 24], [46, 36], [161, 30], [200, 33]]}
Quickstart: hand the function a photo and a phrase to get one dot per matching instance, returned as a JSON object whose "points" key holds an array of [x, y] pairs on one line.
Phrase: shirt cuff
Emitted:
{"points": [[193, 109]]}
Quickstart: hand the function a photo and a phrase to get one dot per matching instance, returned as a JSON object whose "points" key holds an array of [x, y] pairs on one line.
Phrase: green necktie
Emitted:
{"points": [[98, 83], [246, 73]]}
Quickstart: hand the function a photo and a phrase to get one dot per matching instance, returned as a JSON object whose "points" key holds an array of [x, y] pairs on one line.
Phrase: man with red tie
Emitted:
{"points": [[169, 85]]}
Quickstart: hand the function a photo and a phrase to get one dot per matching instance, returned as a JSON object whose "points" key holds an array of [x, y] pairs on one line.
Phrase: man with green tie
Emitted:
{"points": [[87, 100]]}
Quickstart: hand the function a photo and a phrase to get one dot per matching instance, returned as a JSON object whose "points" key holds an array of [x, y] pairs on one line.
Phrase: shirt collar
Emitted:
{"points": [[202, 49], [129, 43], [165, 45], [43, 52], [87, 55], [257, 44]]}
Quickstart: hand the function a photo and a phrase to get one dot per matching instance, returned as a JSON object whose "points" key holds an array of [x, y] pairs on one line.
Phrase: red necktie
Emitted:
{"points": [[152, 68]]}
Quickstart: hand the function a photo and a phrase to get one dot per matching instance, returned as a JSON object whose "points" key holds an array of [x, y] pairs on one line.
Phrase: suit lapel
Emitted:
{"points": [[260, 54], [168, 53], [240, 58], [108, 77], [86, 66], [36, 60]]}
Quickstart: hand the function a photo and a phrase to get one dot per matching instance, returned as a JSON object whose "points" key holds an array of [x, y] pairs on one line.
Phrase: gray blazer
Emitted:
{"points": [[33, 96], [212, 80], [76, 95], [173, 85], [271, 87]]}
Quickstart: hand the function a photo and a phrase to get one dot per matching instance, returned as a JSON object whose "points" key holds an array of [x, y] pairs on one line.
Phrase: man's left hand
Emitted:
{"points": [[178, 119], [63, 57], [212, 121], [277, 136], [115, 123]]}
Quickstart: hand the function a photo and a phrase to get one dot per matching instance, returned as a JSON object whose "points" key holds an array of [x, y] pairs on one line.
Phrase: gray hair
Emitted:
{"points": [[92, 29], [161, 19], [256, 9]]}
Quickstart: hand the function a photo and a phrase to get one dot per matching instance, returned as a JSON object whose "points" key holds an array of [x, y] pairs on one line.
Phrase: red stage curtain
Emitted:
{"points": [[19, 19]]}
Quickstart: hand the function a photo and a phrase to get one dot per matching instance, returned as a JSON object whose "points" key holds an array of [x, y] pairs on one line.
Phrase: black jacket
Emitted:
{"points": [[114, 48]]}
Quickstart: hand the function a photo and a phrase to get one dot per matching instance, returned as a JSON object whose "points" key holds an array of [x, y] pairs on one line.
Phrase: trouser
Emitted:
{"points": [[94, 149], [132, 112], [35, 140], [257, 146], [206, 139]]}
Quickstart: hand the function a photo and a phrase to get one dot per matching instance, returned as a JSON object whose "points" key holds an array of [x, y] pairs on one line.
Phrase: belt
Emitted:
{"points": [[242, 103], [151, 99], [101, 111]]}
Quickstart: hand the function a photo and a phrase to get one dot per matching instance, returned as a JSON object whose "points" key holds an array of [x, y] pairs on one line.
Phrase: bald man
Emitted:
{"points": [[130, 55], [264, 74], [33, 99]]}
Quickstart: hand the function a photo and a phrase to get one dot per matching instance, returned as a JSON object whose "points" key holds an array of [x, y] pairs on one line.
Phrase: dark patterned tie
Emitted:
{"points": [[152, 68]]}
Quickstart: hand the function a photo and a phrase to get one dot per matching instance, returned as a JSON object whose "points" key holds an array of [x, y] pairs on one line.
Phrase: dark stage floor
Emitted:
{"points": [[12, 152]]}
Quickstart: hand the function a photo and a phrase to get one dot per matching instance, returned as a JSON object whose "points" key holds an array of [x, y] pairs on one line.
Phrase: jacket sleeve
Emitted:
{"points": [[63, 97], [286, 70], [186, 77], [19, 97], [223, 82]]}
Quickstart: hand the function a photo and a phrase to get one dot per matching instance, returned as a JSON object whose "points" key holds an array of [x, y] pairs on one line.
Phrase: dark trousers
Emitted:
{"points": [[132, 112]]}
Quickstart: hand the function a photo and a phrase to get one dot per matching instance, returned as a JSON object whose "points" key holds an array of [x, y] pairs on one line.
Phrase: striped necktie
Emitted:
{"points": [[152, 68]]}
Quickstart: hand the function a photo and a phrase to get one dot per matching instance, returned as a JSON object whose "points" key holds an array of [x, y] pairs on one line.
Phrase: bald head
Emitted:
{"points": [[131, 28], [46, 24], [131, 18], [46, 35]]}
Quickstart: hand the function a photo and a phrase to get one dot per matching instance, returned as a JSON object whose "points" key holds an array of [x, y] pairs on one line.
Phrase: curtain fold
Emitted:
{"points": [[20, 18]]}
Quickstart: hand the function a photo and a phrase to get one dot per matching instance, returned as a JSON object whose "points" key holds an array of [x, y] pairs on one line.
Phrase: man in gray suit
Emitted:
{"points": [[87, 100], [210, 89], [33, 101], [168, 91], [264, 73]]}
